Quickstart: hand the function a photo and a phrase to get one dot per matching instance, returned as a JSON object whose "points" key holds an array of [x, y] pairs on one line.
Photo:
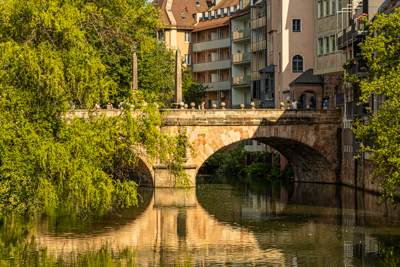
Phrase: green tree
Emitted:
{"points": [[381, 49], [51, 52], [191, 90], [156, 71]]}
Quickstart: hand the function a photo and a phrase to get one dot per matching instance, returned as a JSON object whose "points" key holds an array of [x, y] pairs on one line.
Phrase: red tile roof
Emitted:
{"points": [[171, 14], [226, 3], [210, 24]]}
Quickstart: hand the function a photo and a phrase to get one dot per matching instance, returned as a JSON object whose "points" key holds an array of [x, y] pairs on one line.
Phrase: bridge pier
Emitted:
{"points": [[163, 179]]}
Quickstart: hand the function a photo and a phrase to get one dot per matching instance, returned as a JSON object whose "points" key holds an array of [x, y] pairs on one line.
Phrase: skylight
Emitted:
{"points": [[183, 16], [197, 3]]}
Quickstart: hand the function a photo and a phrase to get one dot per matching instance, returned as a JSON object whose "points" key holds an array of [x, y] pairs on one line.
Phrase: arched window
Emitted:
{"points": [[297, 63]]}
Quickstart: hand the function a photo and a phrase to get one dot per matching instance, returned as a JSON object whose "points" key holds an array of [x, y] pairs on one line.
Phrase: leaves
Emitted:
{"points": [[382, 49], [55, 51]]}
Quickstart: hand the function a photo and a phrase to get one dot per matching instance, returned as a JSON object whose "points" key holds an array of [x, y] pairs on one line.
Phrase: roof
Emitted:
{"points": [[214, 23], [241, 12], [225, 3], [308, 77], [171, 12]]}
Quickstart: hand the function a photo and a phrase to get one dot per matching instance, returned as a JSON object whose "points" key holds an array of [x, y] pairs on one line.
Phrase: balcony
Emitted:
{"points": [[218, 86], [241, 80], [260, 45], [242, 34], [214, 44], [213, 65], [358, 66], [257, 23], [241, 57]]}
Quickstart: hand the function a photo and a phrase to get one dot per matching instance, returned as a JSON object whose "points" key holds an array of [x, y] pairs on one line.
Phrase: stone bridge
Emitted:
{"points": [[309, 139]]}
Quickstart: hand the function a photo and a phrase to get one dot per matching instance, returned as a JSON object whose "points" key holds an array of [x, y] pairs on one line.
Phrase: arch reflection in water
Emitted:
{"points": [[308, 225]]}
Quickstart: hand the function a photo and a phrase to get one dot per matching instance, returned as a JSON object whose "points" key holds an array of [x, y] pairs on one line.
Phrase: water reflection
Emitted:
{"points": [[273, 224]]}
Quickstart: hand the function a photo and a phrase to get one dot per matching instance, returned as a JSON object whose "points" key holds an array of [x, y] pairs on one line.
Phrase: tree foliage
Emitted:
{"points": [[382, 49], [192, 91], [54, 51]]}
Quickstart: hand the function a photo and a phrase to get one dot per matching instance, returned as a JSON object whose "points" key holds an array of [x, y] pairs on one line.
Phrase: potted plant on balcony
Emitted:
{"points": [[360, 18]]}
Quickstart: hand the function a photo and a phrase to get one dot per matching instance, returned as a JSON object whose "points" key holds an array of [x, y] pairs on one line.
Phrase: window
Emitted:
{"points": [[203, 58], [227, 34], [333, 43], [203, 38], [326, 7], [204, 79], [246, 24], [209, 78], [279, 63], [271, 44], [320, 46], [269, 11], [187, 37], [209, 58], [187, 59], [326, 45], [296, 27], [183, 15], [333, 7], [228, 55], [279, 26], [161, 36], [222, 77], [222, 35], [320, 9], [222, 56], [197, 3], [209, 37], [297, 63], [339, 5]]}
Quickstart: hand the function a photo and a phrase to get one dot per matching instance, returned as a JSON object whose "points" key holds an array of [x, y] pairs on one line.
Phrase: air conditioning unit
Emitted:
{"points": [[223, 94]]}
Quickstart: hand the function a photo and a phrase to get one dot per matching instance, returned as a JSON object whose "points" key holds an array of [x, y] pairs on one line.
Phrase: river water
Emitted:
{"points": [[224, 223]]}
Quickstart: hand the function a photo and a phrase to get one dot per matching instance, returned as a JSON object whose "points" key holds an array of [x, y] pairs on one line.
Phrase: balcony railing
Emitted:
{"points": [[245, 33], [241, 57], [339, 100], [214, 65], [359, 65], [209, 45], [217, 86], [241, 80], [256, 23], [260, 45]]}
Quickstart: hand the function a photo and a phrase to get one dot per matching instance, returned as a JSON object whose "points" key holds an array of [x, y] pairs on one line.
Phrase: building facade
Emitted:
{"points": [[178, 20]]}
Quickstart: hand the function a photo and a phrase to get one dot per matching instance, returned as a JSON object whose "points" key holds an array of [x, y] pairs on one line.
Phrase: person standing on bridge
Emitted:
{"points": [[109, 106], [294, 104], [97, 106]]}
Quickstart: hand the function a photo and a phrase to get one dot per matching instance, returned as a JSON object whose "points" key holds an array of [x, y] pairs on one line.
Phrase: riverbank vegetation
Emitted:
{"points": [[52, 52], [381, 88], [233, 162]]}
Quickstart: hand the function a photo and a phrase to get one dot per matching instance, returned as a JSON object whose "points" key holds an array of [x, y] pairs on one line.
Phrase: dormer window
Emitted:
{"points": [[183, 16], [197, 3], [222, 12]]}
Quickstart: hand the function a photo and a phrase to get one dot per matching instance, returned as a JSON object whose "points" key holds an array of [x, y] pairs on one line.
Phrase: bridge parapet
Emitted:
{"points": [[259, 117], [245, 117]]}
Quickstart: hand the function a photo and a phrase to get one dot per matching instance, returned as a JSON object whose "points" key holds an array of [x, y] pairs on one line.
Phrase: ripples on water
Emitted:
{"points": [[220, 223]]}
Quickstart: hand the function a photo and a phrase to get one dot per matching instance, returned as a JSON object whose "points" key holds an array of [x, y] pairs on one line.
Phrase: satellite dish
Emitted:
{"points": [[236, 28]]}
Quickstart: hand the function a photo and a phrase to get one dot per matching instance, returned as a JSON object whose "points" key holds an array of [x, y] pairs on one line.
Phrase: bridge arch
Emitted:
{"points": [[143, 172], [308, 149]]}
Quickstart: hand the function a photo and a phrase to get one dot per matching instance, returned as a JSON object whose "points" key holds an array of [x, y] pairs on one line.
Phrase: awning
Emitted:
{"points": [[270, 68]]}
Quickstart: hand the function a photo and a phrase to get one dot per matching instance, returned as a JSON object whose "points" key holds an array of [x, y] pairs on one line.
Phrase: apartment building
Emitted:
{"points": [[179, 21], [211, 51], [241, 58], [289, 46]]}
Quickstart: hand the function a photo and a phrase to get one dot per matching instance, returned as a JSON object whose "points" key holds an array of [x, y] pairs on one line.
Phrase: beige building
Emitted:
{"points": [[178, 17], [290, 45]]}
